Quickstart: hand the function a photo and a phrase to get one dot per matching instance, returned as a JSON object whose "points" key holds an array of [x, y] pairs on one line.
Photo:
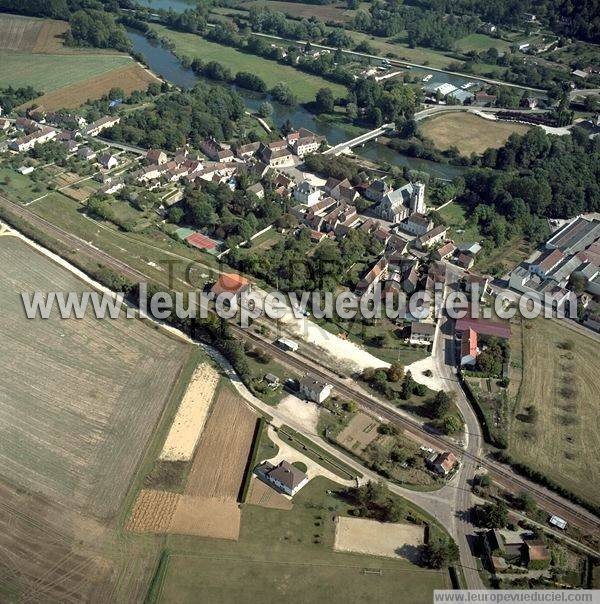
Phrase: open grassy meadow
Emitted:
{"points": [[481, 42], [303, 85], [468, 133], [289, 554], [560, 380]]}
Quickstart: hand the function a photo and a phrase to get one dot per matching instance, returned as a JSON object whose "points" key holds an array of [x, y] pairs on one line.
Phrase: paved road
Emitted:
{"points": [[444, 361], [363, 138]]}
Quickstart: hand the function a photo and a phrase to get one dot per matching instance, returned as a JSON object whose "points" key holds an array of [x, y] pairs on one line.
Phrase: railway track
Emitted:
{"points": [[553, 503], [505, 477]]}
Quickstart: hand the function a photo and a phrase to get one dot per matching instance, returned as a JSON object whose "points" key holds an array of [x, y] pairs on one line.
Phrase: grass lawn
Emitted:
{"points": [[19, 187], [481, 42], [288, 554], [469, 133], [303, 85], [147, 252], [50, 72], [563, 385]]}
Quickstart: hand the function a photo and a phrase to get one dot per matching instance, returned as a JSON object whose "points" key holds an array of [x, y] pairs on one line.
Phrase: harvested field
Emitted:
{"points": [[50, 40], [191, 415], [359, 433], [207, 517], [163, 512], [51, 72], [49, 553], [18, 33], [75, 433], [153, 511], [469, 133], [265, 496], [129, 78], [379, 538], [222, 453]]}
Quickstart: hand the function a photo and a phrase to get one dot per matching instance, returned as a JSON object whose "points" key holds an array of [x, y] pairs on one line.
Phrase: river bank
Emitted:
{"points": [[165, 64]]}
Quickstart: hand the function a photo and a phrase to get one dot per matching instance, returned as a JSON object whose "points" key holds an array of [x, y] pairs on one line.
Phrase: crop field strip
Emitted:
{"points": [[32, 53]]}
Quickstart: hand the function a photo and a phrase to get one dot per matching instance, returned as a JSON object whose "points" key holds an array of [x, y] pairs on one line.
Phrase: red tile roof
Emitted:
{"points": [[484, 327], [230, 283]]}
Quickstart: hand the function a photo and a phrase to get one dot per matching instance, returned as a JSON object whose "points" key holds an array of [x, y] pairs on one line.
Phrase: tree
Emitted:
{"points": [[492, 515], [440, 552], [350, 407], [281, 92], [351, 111], [452, 424], [527, 503], [489, 363], [395, 372], [176, 215], [265, 109], [439, 405], [324, 100]]}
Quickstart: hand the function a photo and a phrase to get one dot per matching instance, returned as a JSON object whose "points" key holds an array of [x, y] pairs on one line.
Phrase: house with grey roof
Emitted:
{"points": [[284, 476], [314, 388]]}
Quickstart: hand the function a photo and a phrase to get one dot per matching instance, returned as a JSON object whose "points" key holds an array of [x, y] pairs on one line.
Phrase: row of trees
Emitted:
{"points": [[13, 97]]}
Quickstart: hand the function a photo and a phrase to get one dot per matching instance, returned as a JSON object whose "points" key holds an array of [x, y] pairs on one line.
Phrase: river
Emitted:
{"points": [[163, 62]]}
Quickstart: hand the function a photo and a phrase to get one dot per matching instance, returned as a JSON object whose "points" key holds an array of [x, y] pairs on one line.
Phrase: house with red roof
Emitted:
{"points": [[468, 347], [231, 284]]}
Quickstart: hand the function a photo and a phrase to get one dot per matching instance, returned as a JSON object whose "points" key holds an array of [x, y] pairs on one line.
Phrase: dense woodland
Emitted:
{"points": [[13, 97], [180, 117], [578, 18], [536, 176]]}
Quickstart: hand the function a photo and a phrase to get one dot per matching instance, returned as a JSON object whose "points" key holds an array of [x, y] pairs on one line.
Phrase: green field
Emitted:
{"points": [[50, 72], [481, 42], [288, 554], [303, 85]]}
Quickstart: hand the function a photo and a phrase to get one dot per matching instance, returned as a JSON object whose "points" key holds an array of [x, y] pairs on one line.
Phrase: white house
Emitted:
{"points": [[314, 388], [284, 476], [102, 124], [108, 161], [306, 193]]}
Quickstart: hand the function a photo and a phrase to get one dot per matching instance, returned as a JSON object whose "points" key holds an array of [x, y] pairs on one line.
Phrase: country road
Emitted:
{"points": [[453, 502]]}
